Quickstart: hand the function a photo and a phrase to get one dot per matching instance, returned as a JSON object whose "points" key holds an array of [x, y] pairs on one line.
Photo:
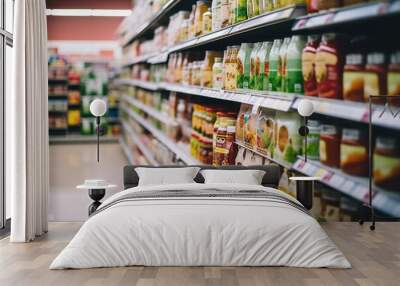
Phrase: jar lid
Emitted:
{"points": [[313, 38], [313, 123], [354, 59], [351, 134], [328, 129], [376, 58], [386, 142], [395, 57]]}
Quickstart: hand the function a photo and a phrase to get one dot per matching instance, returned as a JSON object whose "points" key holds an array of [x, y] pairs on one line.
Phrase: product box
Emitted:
{"points": [[288, 140], [266, 131]]}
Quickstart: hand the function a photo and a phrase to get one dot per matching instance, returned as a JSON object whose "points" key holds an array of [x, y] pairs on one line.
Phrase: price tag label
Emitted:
{"points": [[357, 13], [319, 20], [348, 187], [300, 24]]}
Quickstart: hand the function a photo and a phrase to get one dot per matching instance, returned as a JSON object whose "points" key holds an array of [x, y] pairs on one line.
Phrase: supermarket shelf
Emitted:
{"points": [[277, 101], [127, 151], [142, 147], [139, 83], [347, 15], [353, 186], [355, 111], [151, 23], [149, 110], [81, 139], [287, 14], [284, 164], [171, 145], [137, 60]]}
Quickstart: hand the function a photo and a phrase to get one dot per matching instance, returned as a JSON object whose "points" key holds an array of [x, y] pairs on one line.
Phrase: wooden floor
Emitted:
{"points": [[375, 257]]}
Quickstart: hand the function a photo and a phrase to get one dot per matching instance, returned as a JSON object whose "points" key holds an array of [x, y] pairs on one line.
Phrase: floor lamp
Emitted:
{"points": [[98, 108], [386, 108]]}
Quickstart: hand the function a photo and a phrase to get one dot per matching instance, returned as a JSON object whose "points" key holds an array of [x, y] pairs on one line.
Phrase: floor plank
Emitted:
{"points": [[375, 257]]}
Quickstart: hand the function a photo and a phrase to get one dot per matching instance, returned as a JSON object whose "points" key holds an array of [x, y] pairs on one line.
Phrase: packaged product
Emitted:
{"points": [[218, 74], [353, 77], [255, 7], [224, 152], [266, 133], [250, 128], [216, 14], [232, 11], [313, 139], [393, 77], [254, 66], [386, 163], [241, 10], [207, 22], [282, 68], [74, 117], [263, 58], [354, 152], [243, 65], [288, 140], [231, 147], [191, 28], [201, 8], [294, 74], [232, 70], [329, 145], [249, 9], [308, 66], [206, 70], [244, 109], [328, 67], [375, 76], [273, 79], [225, 13]]}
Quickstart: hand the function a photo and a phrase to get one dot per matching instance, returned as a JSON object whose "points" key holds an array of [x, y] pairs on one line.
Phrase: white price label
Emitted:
{"points": [[319, 20], [348, 187]]}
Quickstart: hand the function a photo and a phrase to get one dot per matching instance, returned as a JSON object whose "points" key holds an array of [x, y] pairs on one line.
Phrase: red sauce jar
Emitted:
{"points": [[353, 78], [328, 67], [329, 145], [354, 152], [375, 76]]}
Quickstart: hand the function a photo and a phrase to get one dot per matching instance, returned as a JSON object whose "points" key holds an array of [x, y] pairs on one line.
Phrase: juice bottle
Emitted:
{"points": [[294, 75], [216, 14], [201, 8], [241, 10], [264, 66], [253, 66], [243, 65], [274, 83], [282, 64]]}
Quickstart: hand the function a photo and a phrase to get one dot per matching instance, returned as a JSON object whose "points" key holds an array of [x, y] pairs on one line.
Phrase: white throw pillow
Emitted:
{"points": [[247, 177], [166, 176]]}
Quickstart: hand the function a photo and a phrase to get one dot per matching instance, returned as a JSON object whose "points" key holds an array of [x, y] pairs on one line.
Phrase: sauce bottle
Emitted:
{"points": [[328, 67], [308, 66]]}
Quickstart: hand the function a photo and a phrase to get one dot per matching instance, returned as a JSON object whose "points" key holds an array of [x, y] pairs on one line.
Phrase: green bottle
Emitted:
{"points": [[294, 75], [243, 63], [273, 81], [262, 82], [241, 10]]}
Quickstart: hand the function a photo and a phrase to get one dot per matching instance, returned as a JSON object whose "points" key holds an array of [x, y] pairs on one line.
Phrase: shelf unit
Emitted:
{"points": [[127, 151], [349, 110], [353, 186], [346, 19], [150, 24], [180, 153], [140, 144]]}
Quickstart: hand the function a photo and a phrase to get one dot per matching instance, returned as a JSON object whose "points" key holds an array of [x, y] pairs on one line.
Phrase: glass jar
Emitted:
{"points": [[386, 163], [329, 146], [375, 76], [393, 78], [354, 152], [353, 78]]}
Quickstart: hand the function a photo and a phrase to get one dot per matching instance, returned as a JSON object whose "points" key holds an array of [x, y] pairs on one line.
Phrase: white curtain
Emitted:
{"points": [[27, 123]]}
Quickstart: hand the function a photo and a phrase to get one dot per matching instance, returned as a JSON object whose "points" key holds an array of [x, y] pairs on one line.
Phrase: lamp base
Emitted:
{"points": [[304, 193], [96, 195]]}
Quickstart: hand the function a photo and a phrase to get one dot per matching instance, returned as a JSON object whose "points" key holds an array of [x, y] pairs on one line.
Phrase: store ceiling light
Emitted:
{"points": [[89, 12]]}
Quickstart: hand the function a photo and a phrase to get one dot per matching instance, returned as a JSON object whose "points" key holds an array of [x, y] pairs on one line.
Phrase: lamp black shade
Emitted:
{"points": [[304, 193]]}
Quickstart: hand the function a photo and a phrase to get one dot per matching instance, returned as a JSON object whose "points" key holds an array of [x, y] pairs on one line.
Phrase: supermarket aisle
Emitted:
{"points": [[70, 165]]}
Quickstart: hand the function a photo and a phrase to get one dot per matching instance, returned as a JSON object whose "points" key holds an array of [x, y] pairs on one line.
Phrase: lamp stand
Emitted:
{"points": [[98, 137]]}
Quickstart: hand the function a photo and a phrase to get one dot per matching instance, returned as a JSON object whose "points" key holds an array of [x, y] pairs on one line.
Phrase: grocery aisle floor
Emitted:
{"points": [[70, 165]]}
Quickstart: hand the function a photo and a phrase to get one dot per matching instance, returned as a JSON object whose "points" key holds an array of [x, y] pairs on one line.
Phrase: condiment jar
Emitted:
{"points": [[354, 152], [393, 78], [353, 78], [329, 145], [375, 76], [386, 163]]}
